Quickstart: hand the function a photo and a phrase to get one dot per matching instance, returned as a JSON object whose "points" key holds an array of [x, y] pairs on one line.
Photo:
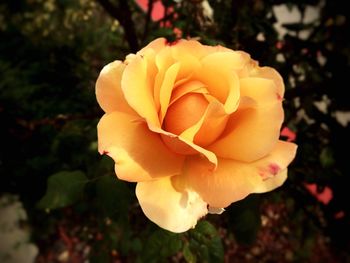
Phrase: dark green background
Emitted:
{"points": [[50, 55]]}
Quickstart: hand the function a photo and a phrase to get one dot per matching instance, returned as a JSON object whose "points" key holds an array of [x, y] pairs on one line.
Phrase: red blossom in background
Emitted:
{"points": [[158, 11], [339, 215], [289, 134], [324, 196]]}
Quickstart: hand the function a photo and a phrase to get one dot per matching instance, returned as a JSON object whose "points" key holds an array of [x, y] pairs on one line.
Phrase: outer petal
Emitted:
{"points": [[197, 49], [252, 69], [222, 81], [139, 153], [189, 64], [269, 73], [108, 89], [137, 86], [271, 183], [163, 60], [170, 209], [186, 53], [157, 45], [192, 47], [252, 131], [233, 180]]}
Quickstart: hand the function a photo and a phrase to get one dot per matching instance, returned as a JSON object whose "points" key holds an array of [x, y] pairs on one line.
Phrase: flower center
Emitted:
{"points": [[184, 113]]}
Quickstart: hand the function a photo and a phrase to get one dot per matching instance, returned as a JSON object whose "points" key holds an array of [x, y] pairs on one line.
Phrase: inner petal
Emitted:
{"points": [[222, 82], [253, 130], [185, 112], [187, 87], [213, 124]]}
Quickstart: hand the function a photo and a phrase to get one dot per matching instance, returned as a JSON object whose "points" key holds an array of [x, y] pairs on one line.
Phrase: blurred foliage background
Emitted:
{"points": [[51, 52]]}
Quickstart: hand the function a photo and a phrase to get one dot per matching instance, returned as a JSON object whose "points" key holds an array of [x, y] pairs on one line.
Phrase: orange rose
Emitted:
{"points": [[197, 127]]}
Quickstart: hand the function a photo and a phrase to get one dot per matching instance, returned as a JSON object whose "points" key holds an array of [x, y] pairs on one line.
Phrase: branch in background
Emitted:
{"points": [[303, 91], [148, 17], [122, 13], [55, 121]]}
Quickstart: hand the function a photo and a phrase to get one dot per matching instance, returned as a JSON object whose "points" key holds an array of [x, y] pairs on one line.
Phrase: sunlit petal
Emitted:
{"points": [[233, 180], [252, 131], [176, 211], [221, 81], [271, 74], [108, 88], [139, 154], [137, 87]]}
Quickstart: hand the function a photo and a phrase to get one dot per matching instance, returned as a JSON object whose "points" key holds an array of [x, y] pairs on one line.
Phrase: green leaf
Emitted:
{"points": [[99, 254], [189, 256], [205, 228], [204, 244], [160, 245], [63, 189], [113, 196], [245, 219], [326, 157]]}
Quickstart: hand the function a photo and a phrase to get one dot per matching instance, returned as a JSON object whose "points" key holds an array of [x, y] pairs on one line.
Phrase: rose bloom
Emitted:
{"points": [[197, 127]]}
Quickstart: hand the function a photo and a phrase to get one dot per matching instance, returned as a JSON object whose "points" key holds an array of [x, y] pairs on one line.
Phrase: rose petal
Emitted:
{"points": [[152, 72], [275, 173], [249, 64], [209, 127], [233, 180], [272, 182], [157, 45], [170, 209], [197, 49], [174, 142], [166, 89], [180, 145], [191, 47], [187, 87], [139, 153], [137, 85], [184, 53], [221, 82], [252, 131], [272, 74], [108, 91], [215, 210], [189, 64], [181, 114], [163, 60], [188, 53], [262, 90]]}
